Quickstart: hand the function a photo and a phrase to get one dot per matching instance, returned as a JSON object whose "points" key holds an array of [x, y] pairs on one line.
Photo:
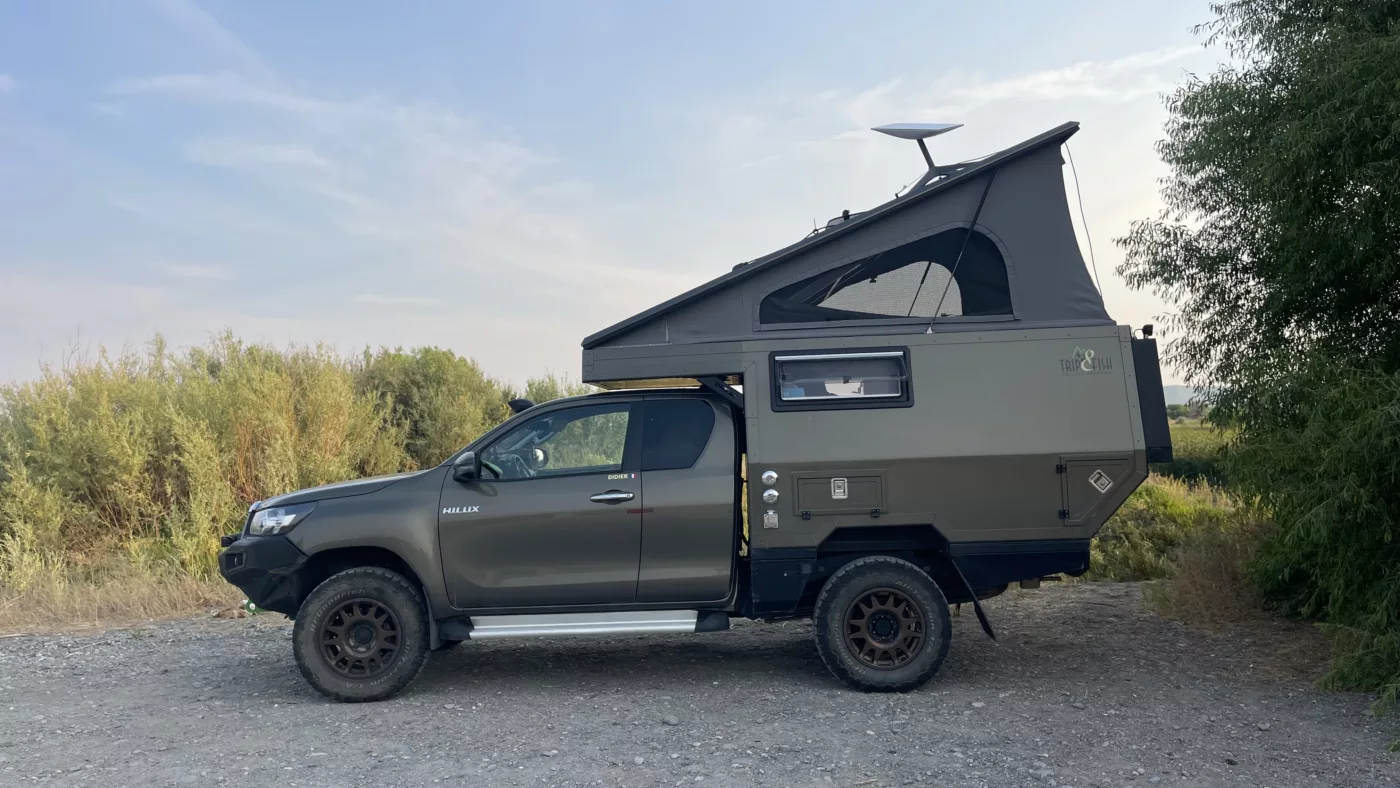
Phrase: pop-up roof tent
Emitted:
{"points": [[977, 246]]}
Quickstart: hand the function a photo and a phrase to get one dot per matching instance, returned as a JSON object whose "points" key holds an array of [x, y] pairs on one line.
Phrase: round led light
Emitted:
{"points": [[770, 496], [770, 478]]}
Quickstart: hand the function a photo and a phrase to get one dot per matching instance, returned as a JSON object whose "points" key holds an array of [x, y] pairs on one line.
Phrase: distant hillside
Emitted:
{"points": [[1179, 395]]}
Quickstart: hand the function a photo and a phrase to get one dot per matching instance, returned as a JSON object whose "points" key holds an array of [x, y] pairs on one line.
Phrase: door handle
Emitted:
{"points": [[612, 496]]}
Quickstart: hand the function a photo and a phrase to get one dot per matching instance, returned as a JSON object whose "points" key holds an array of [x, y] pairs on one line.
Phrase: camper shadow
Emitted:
{"points": [[646, 662], [753, 656]]}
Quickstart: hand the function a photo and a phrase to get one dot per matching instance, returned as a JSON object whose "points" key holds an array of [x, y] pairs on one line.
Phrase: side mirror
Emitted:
{"points": [[467, 468], [539, 457]]}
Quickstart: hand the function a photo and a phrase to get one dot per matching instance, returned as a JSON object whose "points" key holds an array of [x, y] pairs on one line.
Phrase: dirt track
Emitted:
{"points": [[1084, 689]]}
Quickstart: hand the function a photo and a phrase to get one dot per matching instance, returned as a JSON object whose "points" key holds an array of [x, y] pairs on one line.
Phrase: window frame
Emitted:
{"points": [[905, 399], [631, 443]]}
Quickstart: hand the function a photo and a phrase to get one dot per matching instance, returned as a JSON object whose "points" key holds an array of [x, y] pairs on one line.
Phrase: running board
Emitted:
{"points": [[621, 623]]}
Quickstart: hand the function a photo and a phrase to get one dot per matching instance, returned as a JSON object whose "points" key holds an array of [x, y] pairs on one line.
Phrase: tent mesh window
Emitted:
{"points": [[924, 278]]}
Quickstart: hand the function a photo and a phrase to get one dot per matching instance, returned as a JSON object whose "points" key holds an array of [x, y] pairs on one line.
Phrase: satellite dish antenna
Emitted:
{"points": [[919, 132]]}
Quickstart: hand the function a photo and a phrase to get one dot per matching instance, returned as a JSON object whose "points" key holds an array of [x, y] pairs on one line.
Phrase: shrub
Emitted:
{"points": [[154, 456], [1197, 453], [1137, 542], [1326, 461], [122, 472], [1207, 570]]}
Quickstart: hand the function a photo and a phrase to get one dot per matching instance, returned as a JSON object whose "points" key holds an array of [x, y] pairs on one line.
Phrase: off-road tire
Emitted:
{"points": [[855, 581], [392, 591]]}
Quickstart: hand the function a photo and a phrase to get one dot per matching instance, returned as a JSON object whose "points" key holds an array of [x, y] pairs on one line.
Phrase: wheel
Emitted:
{"points": [[362, 635], [882, 625]]}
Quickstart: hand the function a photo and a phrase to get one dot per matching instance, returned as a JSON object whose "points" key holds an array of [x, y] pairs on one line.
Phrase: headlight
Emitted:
{"points": [[278, 519]]}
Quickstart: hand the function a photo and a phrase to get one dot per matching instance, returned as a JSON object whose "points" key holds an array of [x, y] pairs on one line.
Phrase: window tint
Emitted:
{"points": [[587, 439], [675, 433], [932, 277], [835, 379]]}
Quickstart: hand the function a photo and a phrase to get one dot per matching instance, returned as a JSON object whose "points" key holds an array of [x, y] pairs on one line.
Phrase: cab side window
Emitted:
{"points": [[675, 433], [589, 439]]}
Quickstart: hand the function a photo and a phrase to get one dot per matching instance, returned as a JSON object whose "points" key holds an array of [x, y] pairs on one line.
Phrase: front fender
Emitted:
{"points": [[402, 519]]}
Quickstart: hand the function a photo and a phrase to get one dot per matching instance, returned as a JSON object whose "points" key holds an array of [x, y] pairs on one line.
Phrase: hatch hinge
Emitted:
{"points": [[718, 386], [1060, 467], [1064, 514]]}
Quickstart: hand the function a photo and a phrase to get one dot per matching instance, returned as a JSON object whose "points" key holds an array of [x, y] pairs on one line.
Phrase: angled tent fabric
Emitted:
{"points": [[911, 263]]}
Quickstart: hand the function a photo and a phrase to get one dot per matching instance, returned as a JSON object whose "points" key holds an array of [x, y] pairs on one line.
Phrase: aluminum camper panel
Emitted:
{"points": [[977, 452], [653, 362]]}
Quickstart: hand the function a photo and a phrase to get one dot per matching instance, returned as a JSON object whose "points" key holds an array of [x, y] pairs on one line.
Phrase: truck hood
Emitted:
{"points": [[338, 490]]}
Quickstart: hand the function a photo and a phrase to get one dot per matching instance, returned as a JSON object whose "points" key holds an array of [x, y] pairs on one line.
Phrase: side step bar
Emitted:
{"points": [[554, 624]]}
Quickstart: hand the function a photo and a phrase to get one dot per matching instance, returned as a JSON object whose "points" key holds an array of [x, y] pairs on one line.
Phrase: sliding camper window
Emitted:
{"points": [[831, 380], [953, 274]]}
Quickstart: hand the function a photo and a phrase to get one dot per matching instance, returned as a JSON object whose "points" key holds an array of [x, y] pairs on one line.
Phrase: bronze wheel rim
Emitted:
{"points": [[360, 638], [885, 629]]}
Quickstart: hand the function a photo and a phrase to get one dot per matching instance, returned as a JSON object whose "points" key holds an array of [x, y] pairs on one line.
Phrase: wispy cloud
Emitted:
{"points": [[1111, 80], [222, 87], [837, 121], [443, 189], [385, 300], [7, 83], [213, 37], [194, 271], [236, 153]]}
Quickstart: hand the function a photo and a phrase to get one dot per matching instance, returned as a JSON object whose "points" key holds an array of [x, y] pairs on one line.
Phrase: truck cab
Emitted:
{"points": [[616, 500]]}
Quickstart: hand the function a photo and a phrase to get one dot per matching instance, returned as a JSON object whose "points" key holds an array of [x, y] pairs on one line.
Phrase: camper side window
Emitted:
{"points": [[841, 379]]}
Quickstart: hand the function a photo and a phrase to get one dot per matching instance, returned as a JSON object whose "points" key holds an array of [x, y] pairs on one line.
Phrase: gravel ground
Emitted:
{"points": [[1085, 688]]}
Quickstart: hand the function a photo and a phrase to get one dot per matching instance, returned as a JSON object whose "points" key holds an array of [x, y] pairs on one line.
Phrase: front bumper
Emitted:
{"points": [[268, 570]]}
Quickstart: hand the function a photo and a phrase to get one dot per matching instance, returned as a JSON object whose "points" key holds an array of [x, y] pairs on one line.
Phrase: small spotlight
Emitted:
{"points": [[1147, 331]]}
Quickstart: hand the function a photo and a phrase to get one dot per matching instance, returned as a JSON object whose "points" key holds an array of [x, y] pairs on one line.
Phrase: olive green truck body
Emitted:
{"points": [[933, 382]]}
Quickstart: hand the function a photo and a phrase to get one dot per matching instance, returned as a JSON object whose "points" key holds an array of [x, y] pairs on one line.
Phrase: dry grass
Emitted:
{"points": [[59, 601], [1208, 582], [1208, 588]]}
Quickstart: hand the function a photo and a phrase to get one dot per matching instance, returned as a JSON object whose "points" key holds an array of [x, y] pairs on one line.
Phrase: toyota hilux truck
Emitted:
{"points": [[914, 407]]}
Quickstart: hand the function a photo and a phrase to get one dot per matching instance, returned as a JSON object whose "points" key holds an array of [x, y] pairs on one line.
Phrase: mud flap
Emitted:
{"points": [[976, 603]]}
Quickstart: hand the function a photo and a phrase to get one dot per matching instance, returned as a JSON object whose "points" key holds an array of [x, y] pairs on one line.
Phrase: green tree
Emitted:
{"points": [[551, 386], [1280, 249], [444, 400]]}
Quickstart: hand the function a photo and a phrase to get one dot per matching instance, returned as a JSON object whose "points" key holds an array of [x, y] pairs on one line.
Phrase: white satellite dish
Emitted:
{"points": [[920, 132], [916, 131]]}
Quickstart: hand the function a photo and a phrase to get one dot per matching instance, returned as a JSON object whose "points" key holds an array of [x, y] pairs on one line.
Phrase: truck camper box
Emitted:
{"points": [[938, 370]]}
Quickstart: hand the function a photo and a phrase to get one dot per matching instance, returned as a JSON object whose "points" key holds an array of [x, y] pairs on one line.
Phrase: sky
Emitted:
{"points": [[502, 179]]}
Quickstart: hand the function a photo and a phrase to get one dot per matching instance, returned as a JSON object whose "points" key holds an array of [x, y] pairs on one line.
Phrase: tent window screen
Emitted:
{"points": [[827, 380], [924, 278]]}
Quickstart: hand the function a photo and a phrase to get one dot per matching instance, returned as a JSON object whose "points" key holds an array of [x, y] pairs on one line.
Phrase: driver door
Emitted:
{"points": [[555, 518]]}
